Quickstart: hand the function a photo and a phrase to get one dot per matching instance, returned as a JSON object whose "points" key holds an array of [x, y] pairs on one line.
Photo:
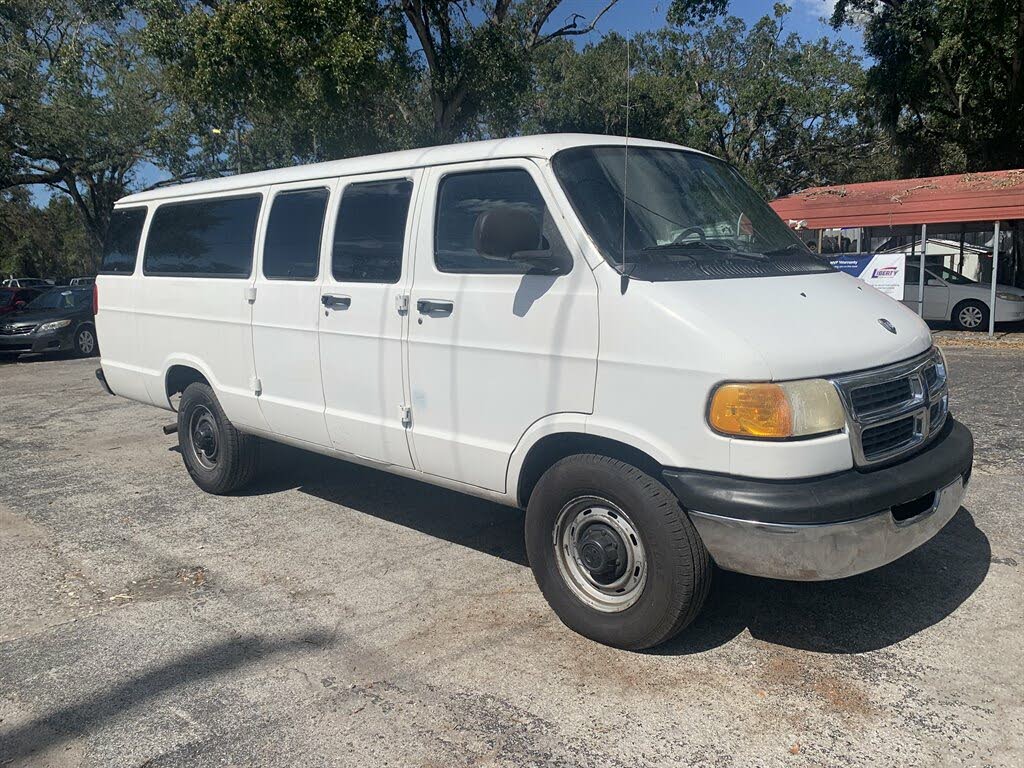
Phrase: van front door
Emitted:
{"points": [[494, 346], [285, 312], [361, 322]]}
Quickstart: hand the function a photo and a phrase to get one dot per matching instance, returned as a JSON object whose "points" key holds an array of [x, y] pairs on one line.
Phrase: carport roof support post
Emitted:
{"points": [[920, 272], [992, 295]]}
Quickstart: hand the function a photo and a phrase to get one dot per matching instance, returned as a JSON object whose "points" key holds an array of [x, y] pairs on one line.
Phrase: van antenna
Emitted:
{"points": [[624, 274]]}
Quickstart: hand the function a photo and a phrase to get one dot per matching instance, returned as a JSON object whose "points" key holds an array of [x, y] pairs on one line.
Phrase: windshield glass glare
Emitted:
{"points": [[679, 216]]}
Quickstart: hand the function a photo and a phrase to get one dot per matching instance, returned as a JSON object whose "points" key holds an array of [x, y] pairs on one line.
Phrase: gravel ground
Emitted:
{"points": [[339, 616]]}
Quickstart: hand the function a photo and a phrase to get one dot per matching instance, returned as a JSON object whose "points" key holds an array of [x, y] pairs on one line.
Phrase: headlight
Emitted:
{"points": [[1009, 296], [787, 409], [45, 327]]}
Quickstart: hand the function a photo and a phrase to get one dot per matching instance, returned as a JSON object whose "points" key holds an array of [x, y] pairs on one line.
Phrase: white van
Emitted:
{"points": [[651, 363]]}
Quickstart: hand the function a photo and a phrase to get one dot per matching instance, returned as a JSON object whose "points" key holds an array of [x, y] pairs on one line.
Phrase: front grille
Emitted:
{"points": [[16, 348], [880, 397], [895, 409], [16, 330], [878, 441]]}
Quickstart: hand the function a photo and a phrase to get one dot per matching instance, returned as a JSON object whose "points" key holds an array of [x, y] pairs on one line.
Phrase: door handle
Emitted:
{"points": [[437, 307], [332, 301]]}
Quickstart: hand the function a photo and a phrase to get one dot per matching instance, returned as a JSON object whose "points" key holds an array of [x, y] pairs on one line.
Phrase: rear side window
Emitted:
{"points": [[370, 232], [463, 197], [203, 238], [291, 250], [121, 247]]}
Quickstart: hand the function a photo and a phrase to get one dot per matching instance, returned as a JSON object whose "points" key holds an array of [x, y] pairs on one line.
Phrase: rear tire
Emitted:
{"points": [[219, 458], [970, 315], [620, 513]]}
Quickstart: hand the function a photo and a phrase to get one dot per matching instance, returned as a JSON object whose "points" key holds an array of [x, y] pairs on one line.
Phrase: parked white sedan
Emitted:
{"points": [[948, 295]]}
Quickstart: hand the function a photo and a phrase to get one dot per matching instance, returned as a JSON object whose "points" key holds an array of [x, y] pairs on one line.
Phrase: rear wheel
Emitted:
{"points": [[970, 315], [219, 458], [613, 552]]}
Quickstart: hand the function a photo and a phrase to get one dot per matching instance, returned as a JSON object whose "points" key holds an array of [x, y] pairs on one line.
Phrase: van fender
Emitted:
{"points": [[580, 424], [189, 361]]}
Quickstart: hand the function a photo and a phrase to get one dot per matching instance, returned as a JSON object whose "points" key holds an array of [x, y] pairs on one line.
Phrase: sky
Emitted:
{"points": [[809, 19]]}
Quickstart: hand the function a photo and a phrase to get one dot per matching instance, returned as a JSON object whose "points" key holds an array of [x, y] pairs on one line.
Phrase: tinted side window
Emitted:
{"points": [[463, 197], [203, 238], [291, 250], [121, 248], [370, 232]]}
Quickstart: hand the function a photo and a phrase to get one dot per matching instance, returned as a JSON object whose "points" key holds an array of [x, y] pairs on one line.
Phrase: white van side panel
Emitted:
{"points": [[202, 323], [117, 328]]}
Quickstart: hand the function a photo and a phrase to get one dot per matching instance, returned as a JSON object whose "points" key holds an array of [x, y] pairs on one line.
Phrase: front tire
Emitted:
{"points": [[614, 554], [85, 341], [219, 458], [970, 315]]}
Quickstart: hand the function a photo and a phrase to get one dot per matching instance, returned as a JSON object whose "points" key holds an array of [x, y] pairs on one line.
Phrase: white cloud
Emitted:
{"points": [[818, 8]]}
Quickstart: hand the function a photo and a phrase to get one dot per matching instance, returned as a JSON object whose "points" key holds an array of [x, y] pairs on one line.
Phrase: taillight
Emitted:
{"points": [[95, 299]]}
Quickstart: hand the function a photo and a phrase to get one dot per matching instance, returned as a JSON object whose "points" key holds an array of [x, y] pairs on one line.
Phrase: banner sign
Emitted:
{"points": [[885, 271]]}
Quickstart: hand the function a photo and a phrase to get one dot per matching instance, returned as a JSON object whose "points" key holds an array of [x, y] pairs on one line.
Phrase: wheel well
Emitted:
{"points": [[179, 377], [553, 448]]}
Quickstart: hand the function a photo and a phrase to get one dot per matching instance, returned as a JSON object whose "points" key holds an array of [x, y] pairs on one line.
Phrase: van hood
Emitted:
{"points": [[802, 325]]}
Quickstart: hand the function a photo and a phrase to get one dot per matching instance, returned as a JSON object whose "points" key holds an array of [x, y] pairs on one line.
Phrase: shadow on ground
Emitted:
{"points": [[854, 615], [85, 716]]}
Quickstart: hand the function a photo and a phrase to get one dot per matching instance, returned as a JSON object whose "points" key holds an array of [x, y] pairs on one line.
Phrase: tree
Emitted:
{"points": [[79, 107], [786, 111], [477, 70], [949, 78], [277, 82], [49, 241]]}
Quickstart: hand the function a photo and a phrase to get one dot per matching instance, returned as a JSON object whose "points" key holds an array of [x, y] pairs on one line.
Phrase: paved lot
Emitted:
{"points": [[339, 616]]}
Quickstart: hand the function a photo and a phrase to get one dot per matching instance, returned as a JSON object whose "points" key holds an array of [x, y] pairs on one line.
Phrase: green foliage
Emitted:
{"points": [[79, 104], [787, 112], [948, 79], [274, 82], [43, 242]]}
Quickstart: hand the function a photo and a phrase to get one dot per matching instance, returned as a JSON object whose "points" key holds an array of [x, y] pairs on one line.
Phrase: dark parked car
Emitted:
{"points": [[57, 321], [13, 299]]}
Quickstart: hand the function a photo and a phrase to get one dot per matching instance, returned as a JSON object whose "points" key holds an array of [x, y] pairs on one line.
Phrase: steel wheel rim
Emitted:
{"points": [[86, 342], [203, 437], [970, 317], [571, 527]]}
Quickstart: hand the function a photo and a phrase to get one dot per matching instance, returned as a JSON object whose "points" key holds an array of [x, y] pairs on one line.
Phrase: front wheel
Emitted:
{"points": [[85, 341], [614, 554], [219, 458], [970, 315]]}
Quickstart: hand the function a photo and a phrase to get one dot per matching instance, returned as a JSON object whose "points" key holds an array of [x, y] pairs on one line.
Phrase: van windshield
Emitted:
{"points": [[680, 216]]}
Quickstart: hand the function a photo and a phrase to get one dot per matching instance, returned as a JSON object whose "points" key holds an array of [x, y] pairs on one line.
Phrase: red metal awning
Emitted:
{"points": [[935, 200]]}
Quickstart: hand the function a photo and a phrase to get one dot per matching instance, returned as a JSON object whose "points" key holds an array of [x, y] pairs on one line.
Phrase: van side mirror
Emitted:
{"points": [[511, 234]]}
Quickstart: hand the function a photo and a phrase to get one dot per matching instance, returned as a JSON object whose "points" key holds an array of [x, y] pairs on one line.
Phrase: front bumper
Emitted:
{"points": [[829, 527], [60, 340]]}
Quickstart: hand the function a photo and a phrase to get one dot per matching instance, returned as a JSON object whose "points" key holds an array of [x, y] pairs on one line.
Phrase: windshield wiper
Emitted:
{"points": [[720, 249], [793, 247]]}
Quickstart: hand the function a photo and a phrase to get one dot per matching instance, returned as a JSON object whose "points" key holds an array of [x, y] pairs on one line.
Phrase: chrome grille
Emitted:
{"points": [[16, 330], [895, 409]]}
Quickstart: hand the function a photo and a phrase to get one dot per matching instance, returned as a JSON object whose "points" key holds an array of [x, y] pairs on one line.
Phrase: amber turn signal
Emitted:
{"points": [[769, 410]]}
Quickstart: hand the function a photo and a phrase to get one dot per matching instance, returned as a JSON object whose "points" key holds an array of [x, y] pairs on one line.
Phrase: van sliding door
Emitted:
{"points": [[362, 320], [286, 310]]}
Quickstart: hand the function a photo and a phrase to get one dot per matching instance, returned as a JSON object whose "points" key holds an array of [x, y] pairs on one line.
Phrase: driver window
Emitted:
{"points": [[463, 198]]}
